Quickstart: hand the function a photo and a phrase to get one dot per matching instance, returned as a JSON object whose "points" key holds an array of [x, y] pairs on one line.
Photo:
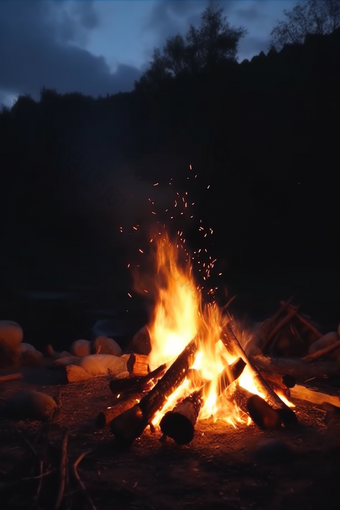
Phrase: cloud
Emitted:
{"points": [[40, 47]]}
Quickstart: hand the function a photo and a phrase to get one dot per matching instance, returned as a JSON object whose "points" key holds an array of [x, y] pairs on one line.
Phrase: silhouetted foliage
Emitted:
{"points": [[307, 17], [202, 49]]}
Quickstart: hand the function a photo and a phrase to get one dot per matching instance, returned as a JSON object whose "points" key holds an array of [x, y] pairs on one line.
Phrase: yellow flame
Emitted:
{"points": [[179, 316]]}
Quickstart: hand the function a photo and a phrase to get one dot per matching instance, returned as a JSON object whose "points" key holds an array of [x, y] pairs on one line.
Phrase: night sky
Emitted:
{"points": [[101, 47]]}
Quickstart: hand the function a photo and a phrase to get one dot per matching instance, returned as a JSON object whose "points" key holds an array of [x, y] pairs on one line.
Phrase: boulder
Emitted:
{"points": [[81, 348], [141, 343], [11, 334], [29, 356], [30, 405], [104, 364], [105, 345]]}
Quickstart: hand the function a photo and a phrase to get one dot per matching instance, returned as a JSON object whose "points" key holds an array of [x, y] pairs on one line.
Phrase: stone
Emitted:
{"points": [[29, 355], [30, 405], [81, 348], [11, 334], [105, 345], [141, 343]]}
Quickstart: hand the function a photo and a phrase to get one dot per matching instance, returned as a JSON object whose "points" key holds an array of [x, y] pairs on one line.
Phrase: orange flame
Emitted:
{"points": [[178, 316]]}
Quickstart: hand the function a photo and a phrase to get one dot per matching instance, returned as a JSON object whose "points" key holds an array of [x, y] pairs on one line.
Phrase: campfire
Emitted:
{"points": [[199, 368]]}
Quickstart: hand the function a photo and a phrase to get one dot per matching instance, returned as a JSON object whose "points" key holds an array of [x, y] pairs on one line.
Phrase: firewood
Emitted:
{"points": [[134, 394], [63, 471], [11, 377], [131, 424], [266, 327], [232, 344], [294, 367], [179, 423], [304, 321], [278, 327], [79, 481], [316, 395], [138, 365], [321, 352]]}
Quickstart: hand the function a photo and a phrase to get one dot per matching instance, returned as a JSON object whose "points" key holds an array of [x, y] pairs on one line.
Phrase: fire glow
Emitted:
{"points": [[179, 316]]}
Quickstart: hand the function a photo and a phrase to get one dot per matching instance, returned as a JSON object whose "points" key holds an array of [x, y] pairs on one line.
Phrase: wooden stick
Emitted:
{"points": [[321, 352], [231, 343], [11, 377], [316, 395], [131, 424], [306, 322], [80, 483], [26, 441], [130, 398], [63, 471], [179, 424], [279, 325]]}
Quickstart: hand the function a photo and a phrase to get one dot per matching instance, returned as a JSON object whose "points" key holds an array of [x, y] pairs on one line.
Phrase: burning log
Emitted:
{"points": [[138, 365], [129, 425], [286, 414], [133, 395], [180, 422]]}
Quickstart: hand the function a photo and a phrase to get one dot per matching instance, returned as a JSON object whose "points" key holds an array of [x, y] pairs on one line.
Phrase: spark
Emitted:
{"points": [[129, 294], [156, 184], [140, 250]]}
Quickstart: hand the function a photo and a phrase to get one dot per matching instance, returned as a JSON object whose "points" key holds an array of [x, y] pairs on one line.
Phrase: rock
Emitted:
{"points": [[81, 348], [325, 341], [141, 343], [32, 405], [105, 345], [273, 451], [65, 361], [11, 334], [29, 355], [103, 364]]}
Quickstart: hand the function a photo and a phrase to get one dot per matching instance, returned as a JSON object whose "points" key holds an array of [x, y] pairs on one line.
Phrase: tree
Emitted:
{"points": [[201, 49], [307, 17]]}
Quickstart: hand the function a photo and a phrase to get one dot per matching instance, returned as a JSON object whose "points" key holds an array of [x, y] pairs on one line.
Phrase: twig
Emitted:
{"points": [[321, 352], [63, 470], [79, 482], [11, 377], [24, 438], [303, 319], [40, 476]]}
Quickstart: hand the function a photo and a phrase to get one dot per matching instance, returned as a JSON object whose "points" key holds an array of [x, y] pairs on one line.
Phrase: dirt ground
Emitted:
{"points": [[222, 467]]}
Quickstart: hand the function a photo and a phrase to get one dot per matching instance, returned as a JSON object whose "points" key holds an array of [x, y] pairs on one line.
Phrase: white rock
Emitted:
{"points": [[11, 334], [103, 364], [65, 361], [29, 355], [81, 348], [105, 345]]}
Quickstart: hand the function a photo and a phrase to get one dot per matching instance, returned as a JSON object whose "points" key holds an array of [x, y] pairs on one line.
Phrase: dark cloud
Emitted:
{"points": [[39, 47]]}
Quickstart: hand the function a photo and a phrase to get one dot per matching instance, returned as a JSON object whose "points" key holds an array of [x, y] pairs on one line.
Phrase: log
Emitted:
{"points": [[316, 395], [138, 365], [179, 423], [104, 418], [279, 325], [304, 321], [131, 424], [124, 387], [130, 397], [267, 326], [264, 416], [11, 377], [232, 344], [295, 368]]}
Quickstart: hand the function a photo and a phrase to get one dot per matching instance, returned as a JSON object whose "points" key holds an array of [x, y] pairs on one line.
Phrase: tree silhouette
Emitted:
{"points": [[307, 17], [201, 49]]}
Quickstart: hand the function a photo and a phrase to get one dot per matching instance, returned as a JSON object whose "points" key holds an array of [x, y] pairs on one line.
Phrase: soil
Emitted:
{"points": [[222, 467]]}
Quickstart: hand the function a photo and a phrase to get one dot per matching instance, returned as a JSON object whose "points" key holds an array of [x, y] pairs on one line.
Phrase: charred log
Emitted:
{"points": [[232, 344], [179, 424], [131, 424]]}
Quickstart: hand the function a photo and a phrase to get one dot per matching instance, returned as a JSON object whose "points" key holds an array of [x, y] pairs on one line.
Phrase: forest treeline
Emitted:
{"points": [[263, 134]]}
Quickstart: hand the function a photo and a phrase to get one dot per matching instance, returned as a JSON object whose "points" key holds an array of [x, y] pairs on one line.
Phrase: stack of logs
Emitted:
{"points": [[301, 376]]}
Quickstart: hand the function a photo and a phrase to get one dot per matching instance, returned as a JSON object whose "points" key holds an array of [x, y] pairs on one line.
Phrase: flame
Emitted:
{"points": [[179, 316]]}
